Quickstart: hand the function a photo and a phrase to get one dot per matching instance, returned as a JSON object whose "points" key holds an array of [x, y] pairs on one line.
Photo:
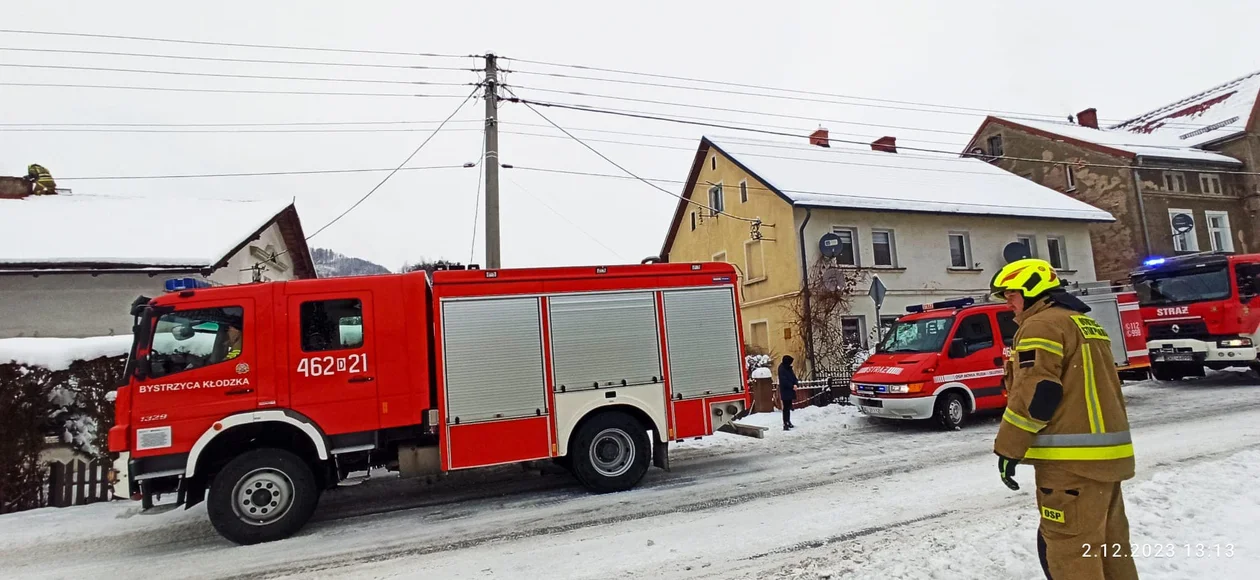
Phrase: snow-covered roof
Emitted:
{"points": [[1216, 113], [845, 177], [118, 231], [57, 354], [1161, 146]]}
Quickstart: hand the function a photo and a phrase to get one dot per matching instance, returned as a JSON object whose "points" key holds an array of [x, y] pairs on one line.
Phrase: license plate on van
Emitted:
{"points": [[1174, 357]]}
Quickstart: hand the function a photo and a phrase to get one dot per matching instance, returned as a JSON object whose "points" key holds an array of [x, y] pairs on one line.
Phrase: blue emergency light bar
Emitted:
{"points": [[181, 284], [955, 303], [1151, 263]]}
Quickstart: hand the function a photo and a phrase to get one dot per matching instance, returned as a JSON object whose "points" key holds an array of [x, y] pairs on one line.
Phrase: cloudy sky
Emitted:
{"points": [[1046, 58]]}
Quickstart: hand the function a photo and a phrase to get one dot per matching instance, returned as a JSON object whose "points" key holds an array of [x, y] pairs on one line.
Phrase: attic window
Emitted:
{"points": [[1070, 178], [995, 146], [713, 162], [1175, 181], [693, 221], [743, 191]]}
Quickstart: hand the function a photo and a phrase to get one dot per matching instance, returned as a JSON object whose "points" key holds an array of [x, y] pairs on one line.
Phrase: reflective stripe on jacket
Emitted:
{"points": [[1087, 432]]}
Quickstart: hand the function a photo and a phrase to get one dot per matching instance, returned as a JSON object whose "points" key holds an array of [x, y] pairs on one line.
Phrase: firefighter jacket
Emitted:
{"points": [[41, 176], [1065, 407]]}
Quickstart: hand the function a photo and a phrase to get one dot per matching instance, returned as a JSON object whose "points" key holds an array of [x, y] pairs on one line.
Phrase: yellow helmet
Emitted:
{"points": [[1030, 276]]}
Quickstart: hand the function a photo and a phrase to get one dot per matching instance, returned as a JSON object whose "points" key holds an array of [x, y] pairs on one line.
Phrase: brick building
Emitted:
{"points": [[1184, 163]]}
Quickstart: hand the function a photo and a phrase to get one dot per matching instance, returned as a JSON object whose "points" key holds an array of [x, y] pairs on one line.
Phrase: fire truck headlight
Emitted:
{"points": [[1234, 343], [905, 389]]}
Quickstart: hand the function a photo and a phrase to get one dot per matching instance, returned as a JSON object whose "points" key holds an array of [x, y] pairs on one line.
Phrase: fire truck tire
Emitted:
{"points": [[261, 496], [951, 411], [610, 452]]}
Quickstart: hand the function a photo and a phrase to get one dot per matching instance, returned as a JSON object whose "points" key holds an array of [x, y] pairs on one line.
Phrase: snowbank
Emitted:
{"points": [[57, 354], [831, 420]]}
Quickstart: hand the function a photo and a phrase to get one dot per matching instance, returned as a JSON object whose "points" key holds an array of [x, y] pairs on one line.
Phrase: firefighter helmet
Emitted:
{"points": [[1030, 276]]}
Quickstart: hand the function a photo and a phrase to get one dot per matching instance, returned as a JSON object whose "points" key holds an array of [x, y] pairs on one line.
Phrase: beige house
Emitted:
{"points": [[70, 265], [930, 227]]}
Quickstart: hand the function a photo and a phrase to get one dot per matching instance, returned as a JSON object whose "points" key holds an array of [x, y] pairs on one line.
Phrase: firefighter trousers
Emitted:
{"points": [[1084, 533]]}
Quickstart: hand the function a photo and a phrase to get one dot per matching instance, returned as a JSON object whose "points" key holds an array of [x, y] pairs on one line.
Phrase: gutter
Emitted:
{"points": [[1137, 189], [809, 327]]}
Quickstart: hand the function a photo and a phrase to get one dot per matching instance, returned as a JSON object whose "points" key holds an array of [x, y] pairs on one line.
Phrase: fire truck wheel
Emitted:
{"points": [[950, 411], [610, 452], [261, 496]]}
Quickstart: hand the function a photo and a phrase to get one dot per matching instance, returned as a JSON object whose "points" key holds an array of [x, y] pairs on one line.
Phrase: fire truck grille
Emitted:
{"points": [[1178, 330]]}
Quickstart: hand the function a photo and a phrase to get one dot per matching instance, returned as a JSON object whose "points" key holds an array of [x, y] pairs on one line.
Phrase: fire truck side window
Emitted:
{"points": [[332, 325], [1007, 326], [976, 331], [188, 339]]}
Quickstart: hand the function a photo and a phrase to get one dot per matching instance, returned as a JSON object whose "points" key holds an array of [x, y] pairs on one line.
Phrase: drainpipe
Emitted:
{"points": [[809, 326], [1137, 188]]}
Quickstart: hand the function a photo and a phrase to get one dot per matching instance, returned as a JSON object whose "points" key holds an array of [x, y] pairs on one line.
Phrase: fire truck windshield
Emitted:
{"points": [[1181, 287], [922, 335]]}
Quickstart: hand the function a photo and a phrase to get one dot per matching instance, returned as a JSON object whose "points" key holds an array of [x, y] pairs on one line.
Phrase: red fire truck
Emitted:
{"points": [[263, 395], [944, 361], [1200, 310]]}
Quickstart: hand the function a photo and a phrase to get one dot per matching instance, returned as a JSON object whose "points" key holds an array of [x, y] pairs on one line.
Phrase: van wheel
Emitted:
{"points": [[951, 410], [261, 496], [610, 453]]}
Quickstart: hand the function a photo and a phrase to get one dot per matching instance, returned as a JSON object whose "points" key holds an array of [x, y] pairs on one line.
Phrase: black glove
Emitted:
{"points": [[1006, 469]]}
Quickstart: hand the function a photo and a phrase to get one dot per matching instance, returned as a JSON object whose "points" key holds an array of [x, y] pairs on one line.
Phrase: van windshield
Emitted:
{"points": [[923, 335], [1182, 287]]}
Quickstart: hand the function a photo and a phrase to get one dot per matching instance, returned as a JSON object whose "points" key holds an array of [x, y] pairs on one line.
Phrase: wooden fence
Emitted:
{"points": [[77, 483]]}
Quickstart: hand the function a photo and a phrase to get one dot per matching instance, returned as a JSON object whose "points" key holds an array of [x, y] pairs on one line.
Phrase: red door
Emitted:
{"points": [[332, 360], [202, 367], [976, 359]]}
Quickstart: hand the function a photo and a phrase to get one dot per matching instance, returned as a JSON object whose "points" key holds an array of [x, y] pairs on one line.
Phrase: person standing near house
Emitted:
{"points": [[787, 390], [1066, 417]]}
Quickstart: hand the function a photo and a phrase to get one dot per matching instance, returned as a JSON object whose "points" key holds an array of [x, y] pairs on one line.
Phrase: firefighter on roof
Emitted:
{"points": [[41, 180], [1066, 417]]}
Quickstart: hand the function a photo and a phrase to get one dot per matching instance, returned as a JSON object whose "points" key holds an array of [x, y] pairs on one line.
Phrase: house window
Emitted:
{"points": [[1183, 241], [693, 221], [959, 250], [1070, 178], [1029, 242], [760, 335], [885, 248], [715, 199], [995, 146], [743, 191], [754, 260], [1057, 245], [1218, 231], [848, 255], [1210, 183], [713, 162], [1175, 181], [852, 329], [332, 325]]}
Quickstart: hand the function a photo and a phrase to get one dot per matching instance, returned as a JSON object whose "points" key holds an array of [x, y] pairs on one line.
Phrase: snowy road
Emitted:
{"points": [[841, 496]]}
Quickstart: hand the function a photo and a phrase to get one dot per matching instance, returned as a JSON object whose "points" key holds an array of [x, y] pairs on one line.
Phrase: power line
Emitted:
{"points": [[730, 110], [234, 44], [400, 165], [587, 109], [232, 75], [236, 91], [562, 216], [251, 174], [618, 166], [239, 60]]}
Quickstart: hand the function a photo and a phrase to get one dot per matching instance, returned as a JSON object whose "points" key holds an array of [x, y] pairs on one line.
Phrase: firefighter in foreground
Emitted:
{"points": [[1066, 416]]}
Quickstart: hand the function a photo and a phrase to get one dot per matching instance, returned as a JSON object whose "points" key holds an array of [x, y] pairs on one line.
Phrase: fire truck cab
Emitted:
{"points": [[1200, 311], [257, 397]]}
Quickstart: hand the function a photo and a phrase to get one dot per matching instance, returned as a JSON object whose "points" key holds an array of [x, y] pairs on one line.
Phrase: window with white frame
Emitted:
{"points": [[885, 248], [1056, 246], [1187, 241], [1029, 241], [1210, 183], [959, 250], [1175, 181], [715, 199], [853, 330], [1069, 178], [743, 191], [754, 260], [1218, 231], [848, 255]]}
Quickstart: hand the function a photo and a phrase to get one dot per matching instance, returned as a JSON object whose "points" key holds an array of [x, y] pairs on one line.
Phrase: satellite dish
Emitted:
{"points": [[829, 245], [1182, 223], [1015, 251], [833, 279]]}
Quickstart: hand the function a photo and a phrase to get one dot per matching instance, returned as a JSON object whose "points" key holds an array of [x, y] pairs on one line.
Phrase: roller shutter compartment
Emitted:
{"points": [[703, 342], [492, 352], [609, 339]]}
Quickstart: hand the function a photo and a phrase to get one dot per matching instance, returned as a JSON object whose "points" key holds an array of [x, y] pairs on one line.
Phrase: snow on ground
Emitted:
{"points": [[833, 419], [56, 354]]}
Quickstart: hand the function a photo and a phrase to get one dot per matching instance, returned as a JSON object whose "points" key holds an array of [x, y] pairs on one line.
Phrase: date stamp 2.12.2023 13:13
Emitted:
{"points": [[1158, 551]]}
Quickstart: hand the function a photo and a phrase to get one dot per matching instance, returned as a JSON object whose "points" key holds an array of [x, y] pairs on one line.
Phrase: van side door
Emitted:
{"points": [[974, 345]]}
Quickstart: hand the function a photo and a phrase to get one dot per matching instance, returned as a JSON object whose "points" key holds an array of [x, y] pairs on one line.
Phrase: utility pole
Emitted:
{"points": [[491, 162]]}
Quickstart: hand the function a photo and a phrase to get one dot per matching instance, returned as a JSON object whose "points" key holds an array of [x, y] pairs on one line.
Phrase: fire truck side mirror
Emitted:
{"points": [[958, 348]]}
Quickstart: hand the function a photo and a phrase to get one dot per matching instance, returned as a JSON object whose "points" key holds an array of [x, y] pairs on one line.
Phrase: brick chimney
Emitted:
{"points": [[885, 144], [1088, 118], [820, 138]]}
